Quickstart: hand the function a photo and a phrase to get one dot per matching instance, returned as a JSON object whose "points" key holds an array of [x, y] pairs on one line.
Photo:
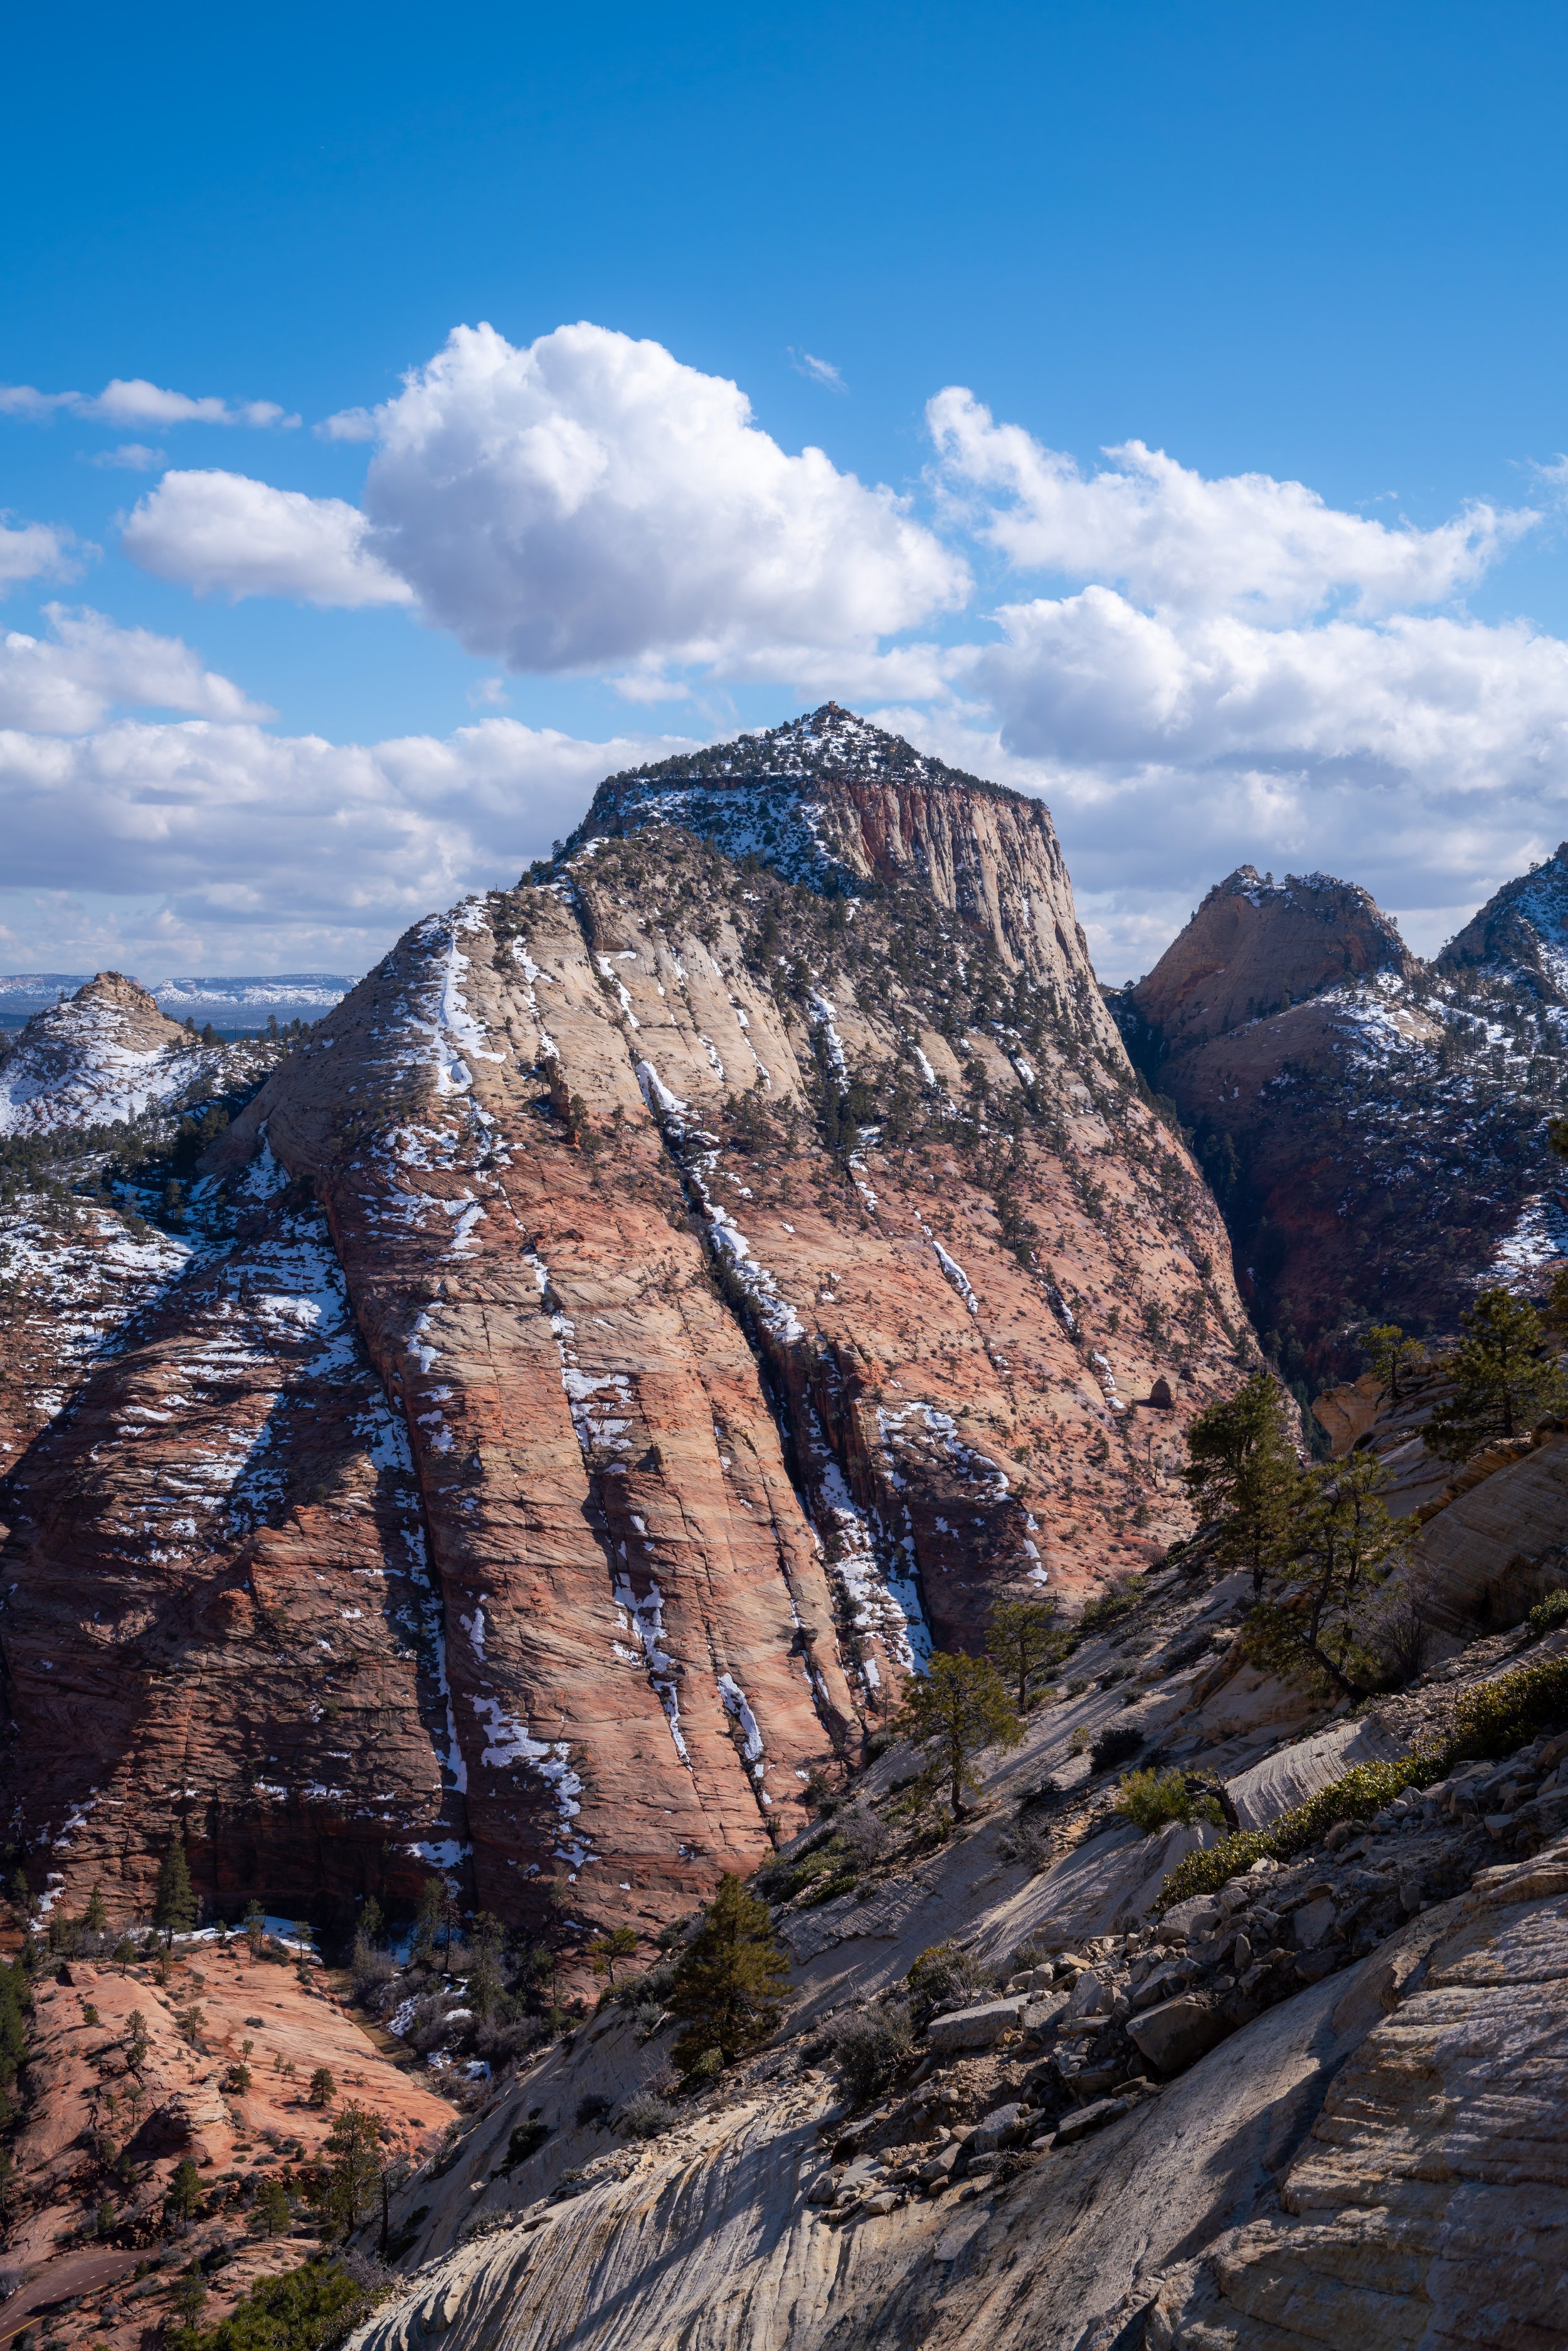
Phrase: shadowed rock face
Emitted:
{"points": [[1374, 1127], [1522, 929], [753, 1233]]}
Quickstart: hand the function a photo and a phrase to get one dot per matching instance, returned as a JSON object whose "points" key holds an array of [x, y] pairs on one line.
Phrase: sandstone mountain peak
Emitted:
{"points": [[1255, 946], [840, 807], [683, 1296], [1376, 1128], [103, 1055]]}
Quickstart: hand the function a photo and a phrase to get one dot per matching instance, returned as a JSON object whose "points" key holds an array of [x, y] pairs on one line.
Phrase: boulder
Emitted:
{"points": [[1314, 1922], [1199, 1914], [1178, 2032], [1092, 2118], [974, 2028], [1003, 2126]]}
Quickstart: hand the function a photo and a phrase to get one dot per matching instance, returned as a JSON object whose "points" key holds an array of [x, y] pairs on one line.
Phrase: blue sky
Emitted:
{"points": [[1318, 247]]}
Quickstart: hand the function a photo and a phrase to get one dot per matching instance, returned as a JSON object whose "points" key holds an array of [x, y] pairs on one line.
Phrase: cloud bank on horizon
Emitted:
{"points": [[1193, 671]]}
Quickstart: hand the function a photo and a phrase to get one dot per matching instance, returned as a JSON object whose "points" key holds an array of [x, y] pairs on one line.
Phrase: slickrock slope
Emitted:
{"points": [[1379, 1147], [104, 1055], [103, 1073], [220, 1620], [1319, 2107], [765, 1261], [69, 1284]]}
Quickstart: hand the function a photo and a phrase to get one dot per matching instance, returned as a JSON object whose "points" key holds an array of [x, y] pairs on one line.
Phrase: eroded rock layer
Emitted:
{"points": [[753, 1228]]}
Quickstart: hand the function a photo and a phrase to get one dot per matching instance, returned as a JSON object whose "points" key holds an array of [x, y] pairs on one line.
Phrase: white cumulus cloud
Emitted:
{"points": [[239, 849], [590, 500], [65, 684], [224, 531], [1174, 540]]}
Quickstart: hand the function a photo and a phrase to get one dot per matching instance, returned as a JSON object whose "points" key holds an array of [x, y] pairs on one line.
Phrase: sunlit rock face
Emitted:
{"points": [[654, 1307]]}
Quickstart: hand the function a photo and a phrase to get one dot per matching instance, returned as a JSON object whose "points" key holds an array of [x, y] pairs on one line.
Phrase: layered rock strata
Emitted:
{"points": [[763, 1247]]}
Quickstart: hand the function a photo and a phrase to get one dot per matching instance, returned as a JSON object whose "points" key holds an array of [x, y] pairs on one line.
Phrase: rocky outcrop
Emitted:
{"points": [[106, 1054], [1313, 2107], [1256, 948], [1522, 931], [1377, 1134], [760, 1270]]}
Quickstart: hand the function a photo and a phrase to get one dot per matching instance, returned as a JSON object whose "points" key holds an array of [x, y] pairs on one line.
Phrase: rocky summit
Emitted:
{"points": [[491, 1478], [655, 1307], [1375, 1128]]}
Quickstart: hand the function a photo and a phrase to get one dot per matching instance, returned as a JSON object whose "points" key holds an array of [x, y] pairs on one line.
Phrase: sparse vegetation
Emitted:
{"points": [[729, 1982], [956, 1710]]}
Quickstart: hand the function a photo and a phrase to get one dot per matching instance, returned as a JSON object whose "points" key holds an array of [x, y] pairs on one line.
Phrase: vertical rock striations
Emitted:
{"points": [[754, 1226]]}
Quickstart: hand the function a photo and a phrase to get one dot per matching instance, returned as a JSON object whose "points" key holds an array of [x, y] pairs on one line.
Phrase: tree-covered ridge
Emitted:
{"points": [[830, 742]]}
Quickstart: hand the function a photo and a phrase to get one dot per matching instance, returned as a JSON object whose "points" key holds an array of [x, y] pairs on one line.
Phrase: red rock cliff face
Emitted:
{"points": [[760, 1247]]}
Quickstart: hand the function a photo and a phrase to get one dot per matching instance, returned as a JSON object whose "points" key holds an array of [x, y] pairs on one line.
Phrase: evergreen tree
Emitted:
{"points": [[1338, 1543], [959, 1708], [1391, 1356], [1504, 1378], [323, 2088], [190, 2294], [255, 1927], [427, 1922], [1024, 1637], [184, 2190], [731, 1978], [484, 1986], [16, 2000], [1240, 1469], [137, 2042], [95, 1918], [175, 1905], [272, 2209], [605, 1950], [351, 2169]]}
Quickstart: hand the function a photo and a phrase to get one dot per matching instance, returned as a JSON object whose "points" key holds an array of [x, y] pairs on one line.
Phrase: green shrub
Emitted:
{"points": [[1549, 1614], [1117, 1744], [1151, 1800], [1488, 1724], [308, 2309]]}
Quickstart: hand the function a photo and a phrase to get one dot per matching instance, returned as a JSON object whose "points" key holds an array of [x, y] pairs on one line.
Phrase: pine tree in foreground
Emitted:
{"points": [[957, 1708], [1505, 1378], [731, 1979], [1241, 1469]]}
